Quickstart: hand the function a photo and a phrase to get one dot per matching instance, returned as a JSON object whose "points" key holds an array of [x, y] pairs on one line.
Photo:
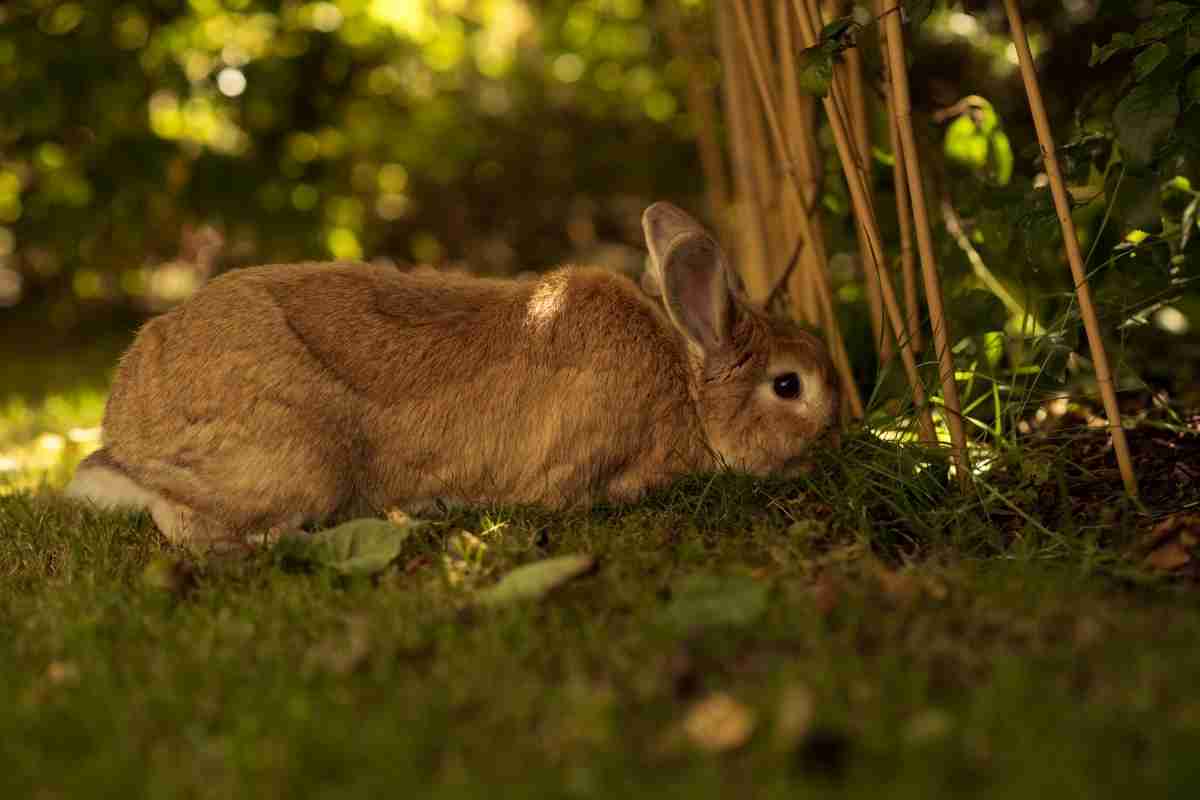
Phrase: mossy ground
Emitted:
{"points": [[914, 641]]}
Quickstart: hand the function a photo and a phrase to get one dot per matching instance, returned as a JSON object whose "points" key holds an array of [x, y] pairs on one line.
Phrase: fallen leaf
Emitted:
{"points": [[359, 547], [62, 673], [1172, 542], [531, 581], [899, 586], [700, 601], [719, 723], [1171, 555]]}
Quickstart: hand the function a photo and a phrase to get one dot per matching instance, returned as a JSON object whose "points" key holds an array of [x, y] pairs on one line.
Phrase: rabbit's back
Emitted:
{"points": [[363, 385]]}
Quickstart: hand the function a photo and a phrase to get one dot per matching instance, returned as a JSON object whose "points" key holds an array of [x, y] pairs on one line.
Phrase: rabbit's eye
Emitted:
{"points": [[787, 385]]}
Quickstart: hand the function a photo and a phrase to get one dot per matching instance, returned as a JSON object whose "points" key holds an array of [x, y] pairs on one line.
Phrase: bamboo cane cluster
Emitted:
{"points": [[771, 199]]}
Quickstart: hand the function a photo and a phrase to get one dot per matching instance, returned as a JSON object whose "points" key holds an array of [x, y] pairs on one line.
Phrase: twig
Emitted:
{"points": [[866, 218], [824, 292], [954, 227], [852, 70], [901, 109], [750, 222], [1062, 205], [802, 286], [782, 282]]}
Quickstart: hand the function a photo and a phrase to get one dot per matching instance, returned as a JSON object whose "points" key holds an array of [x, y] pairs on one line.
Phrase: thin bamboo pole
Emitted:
{"points": [[908, 268], [908, 261], [901, 110], [860, 124], [773, 186], [752, 239], [800, 283], [803, 139], [866, 218], [840, 358], [1062, 205]]}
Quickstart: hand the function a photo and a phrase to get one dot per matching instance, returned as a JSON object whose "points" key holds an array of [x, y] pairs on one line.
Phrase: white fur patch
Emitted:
{"points": [[107, 488]]}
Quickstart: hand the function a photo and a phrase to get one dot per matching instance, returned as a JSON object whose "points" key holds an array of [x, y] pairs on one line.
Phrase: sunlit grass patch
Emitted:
{"points": [[41, 441]]}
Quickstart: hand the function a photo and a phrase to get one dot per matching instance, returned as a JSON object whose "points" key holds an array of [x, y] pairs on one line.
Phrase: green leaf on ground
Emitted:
{"points": [[361, 546], [703, 601], [531, 581]]}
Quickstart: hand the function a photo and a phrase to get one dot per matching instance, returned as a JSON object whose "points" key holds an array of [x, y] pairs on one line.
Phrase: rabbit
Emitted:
{"points": [[289, 395]]}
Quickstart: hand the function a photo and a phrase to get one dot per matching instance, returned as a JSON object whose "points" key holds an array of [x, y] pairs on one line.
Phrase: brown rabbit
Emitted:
{"points": [[289, 394]]}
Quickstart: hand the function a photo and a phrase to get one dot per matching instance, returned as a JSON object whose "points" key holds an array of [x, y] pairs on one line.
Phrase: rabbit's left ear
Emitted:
{"points": [[694, 277]]}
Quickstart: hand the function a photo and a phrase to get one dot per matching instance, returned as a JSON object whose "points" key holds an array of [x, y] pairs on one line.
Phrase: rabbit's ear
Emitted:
{"points": [[691, 269]]}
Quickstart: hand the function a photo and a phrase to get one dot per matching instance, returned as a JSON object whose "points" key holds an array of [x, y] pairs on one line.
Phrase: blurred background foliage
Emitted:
{"points": [[146, 144]]}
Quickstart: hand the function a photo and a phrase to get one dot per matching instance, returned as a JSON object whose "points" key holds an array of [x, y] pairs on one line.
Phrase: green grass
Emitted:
{"points": [[913, 642], [999, 676]]}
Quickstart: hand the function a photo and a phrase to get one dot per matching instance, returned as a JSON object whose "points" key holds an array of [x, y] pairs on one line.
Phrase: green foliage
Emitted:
{"points": [[816, 63], [1144, 119], [976, 140], [928, 633], [532, 581], [816, 70], [917, 11], [358, 547], [314, 129]]}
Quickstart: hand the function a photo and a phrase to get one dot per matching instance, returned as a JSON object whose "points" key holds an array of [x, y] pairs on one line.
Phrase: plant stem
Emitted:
{"points": [[1062, 205], [824, 293], [901, 110], [866, 218]]}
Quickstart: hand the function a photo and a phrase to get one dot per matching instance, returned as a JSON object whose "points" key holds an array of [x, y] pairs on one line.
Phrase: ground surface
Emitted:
{"points": [[868, 629]]}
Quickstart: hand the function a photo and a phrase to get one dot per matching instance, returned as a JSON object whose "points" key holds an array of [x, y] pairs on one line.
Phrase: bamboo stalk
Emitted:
{"points": [[866, 218], [860, 125], [838, 348], [908, 269], [1062, 205], [803, 138], [908, 266], [901, 110], [752, 239], [704, 111], [773, 185]]}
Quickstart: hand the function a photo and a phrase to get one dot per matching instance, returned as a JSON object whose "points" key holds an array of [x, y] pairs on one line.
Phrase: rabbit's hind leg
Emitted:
{"points": [[102, 482]]}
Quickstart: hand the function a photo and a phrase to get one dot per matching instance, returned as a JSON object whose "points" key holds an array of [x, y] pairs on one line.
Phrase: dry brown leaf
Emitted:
{"points": [[62, 673], [1172, 542], [1171, 555], [719, 723]]}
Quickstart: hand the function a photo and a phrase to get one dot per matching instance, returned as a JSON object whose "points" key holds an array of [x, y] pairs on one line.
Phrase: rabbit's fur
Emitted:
{"points": [[288, 394]]}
